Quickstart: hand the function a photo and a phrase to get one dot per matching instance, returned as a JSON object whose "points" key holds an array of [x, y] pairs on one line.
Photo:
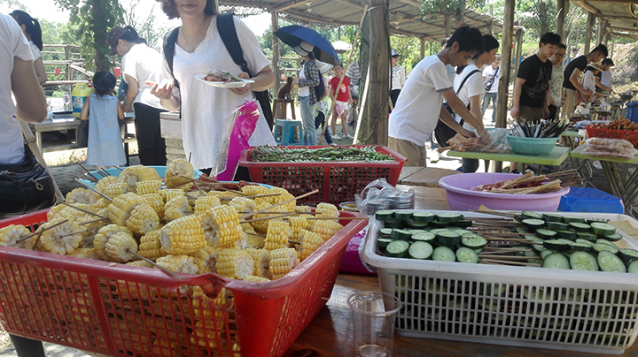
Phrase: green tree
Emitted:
{"points": [[409, 49], [144, 23], [94, 19]]}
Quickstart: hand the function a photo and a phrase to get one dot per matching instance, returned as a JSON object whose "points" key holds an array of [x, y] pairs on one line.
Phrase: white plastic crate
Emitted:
{"points": [[593, 312]]}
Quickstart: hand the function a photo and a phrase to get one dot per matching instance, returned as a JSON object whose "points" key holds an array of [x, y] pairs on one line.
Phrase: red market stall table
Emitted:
{"points": [[627, 190], [556, 157]]}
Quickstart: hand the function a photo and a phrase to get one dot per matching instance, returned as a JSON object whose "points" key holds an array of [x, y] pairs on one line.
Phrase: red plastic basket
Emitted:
{"points": [[608, 133], [123, 310], [337, 181]]}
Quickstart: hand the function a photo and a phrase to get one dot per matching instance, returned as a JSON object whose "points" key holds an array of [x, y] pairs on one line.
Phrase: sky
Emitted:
{"points": [[48, 10]]}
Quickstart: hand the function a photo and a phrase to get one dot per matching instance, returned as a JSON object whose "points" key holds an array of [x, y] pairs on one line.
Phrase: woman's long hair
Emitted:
{"points": [[31, 25]]}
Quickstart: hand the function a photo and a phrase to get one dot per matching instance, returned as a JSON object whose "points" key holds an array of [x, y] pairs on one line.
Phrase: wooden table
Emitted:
{"points": [[424, 176], [556, 157], [627, 190]]}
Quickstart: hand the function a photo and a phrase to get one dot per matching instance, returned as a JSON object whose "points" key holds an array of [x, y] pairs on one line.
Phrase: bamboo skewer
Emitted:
{"points": [[94, 190], [255, 234], [93, 221], [73, 233], [218, 185], [155, 265], [38, 239], [88, 172], [266, 218], [507, 257], [295, 212], [337, 218], [42, 230], [83, 210], [511, 263], [279, 204]]}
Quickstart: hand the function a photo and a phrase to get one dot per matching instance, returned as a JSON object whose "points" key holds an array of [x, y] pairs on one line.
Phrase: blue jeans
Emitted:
{"points": [[319, 120], [308, 120], [486, 102]]}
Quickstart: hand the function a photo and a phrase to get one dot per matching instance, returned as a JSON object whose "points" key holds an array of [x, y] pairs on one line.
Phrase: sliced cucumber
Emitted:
{"points": [[531, 215], [449, 217], [628, 255], [583, 261], [609, 262], [567, 234], [556, 261], [392, 223], [587, 236], [557, 226], [384, 215], [466, 255], [423, 237], [438, 224], [415, 225], [604, 241], [614, 237], [385, 232], [552, 218], [573, 220], [382, 243], [397, 249], [518, 218], [403, 215], [533, 224], [554, 244], [545, 233], [462, 223], [584, 241], [474, 241], [581, 247], [601, 247], [546, 253], [633, 267], [420, 250], [423, 216], [401, 234], [443, 254], [603, 229], [580, 227], [448, 238]]}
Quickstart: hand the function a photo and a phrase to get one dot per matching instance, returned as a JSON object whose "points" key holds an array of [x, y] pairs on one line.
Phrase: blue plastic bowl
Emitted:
{"points": [[532, 146]]}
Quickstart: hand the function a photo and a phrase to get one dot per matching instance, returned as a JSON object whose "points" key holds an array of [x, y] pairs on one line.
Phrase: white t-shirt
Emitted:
{"points": [[34, 50], [12, 44], [145, 65], [305, 90], [417, 110], [205, 108], [589, 81], [556, 84], [473, 86], [605, 78], [490, 72], [397, 80]]}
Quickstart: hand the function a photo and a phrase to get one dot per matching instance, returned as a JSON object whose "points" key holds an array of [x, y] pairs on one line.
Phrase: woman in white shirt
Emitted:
{"points": [[199, 49], [31, 29], [589, 82], [18, 166], [141, 64], [397, 78], [472, 91]]}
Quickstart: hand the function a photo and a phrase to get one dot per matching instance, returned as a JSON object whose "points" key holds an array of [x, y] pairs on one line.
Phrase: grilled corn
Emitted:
{"points": [[179, 264], [176, 208], [80, 195], [150, 246], [119, 246], [261, 258], [278, 235], [134, 174], [121, 207], [102, 237], [62, 239], [282, 261], [234, 263], [205, 203], [149, 186], [143, 219], [183, 236], [174, 172], [310, 242], [326, 229]]}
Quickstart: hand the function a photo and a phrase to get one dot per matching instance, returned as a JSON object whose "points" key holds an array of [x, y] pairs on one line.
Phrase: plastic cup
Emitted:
{"points": [[373, 315]]}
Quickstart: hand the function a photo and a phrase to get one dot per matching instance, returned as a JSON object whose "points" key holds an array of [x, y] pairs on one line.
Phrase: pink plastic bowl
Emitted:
{"points": [[461, 198]]}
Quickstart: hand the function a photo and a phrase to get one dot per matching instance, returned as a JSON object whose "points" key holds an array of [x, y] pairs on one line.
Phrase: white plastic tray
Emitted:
{"points": [[453, 301]]}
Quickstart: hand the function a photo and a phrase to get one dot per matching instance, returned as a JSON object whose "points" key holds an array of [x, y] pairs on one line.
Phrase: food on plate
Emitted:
{"points": [[222, 76], [528, 183]]}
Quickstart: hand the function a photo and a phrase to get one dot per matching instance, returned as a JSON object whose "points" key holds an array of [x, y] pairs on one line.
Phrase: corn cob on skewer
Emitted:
{"points": [[234, 263], [150, 246], [118, 247], [103, 235], [183, 236], [143, 219], [278, 235], [282, 261]]}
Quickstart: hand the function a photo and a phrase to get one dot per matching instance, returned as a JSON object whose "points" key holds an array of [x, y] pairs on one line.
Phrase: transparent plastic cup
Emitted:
{"points": [[373, 315]]}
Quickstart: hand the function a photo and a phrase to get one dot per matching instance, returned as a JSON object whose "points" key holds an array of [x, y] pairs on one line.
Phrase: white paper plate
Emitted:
{"points": [[224, 84]]}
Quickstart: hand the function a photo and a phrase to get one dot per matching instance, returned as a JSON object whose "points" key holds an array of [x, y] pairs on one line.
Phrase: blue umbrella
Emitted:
{"points": [[294, 35]]}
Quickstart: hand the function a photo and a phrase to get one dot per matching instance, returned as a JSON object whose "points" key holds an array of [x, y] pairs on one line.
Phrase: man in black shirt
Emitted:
{"points": [[531, 90], [571, 83]]}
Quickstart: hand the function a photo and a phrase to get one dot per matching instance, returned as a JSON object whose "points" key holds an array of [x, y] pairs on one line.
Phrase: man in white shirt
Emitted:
{"points": [[556, 82], [604, 82], [491, 75], [420, 105]]}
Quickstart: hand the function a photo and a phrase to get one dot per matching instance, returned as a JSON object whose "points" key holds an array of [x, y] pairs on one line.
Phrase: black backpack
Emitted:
{"points": [[228, 33], [442, 132]]}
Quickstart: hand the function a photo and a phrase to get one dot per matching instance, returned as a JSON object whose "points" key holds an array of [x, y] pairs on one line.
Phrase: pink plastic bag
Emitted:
{"points": [[245, 118], [352, 263]]}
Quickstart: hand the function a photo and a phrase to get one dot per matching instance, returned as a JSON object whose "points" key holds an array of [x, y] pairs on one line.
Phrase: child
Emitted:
{"points": [[343, 100], [105, 141], [323, 106]]}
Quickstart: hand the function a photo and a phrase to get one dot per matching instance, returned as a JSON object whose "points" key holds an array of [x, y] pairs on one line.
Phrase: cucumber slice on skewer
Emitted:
{"points": [[601, 247], [420, 250], [474, 241], [403, 215], [449, 217], [382, 243], [580, 227], [384, 215], [397, 249], [444, 254], [531, 215], [614, 237], [609, 262], [628, 255], [583, 261], [603, 229], [423, 237], [633, 267], [466, 255], [423, 217], [385, 232], [556, 261]]}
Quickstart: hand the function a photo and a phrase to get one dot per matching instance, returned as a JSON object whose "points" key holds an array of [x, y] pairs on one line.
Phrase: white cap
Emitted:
{"points": [[304, 48], [394, 53]]}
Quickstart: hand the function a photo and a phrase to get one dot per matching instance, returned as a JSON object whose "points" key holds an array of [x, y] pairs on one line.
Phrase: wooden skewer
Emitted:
{"points": [[38, 239], [507, 257], [73, 233], [219, 185], [105, 173], [337, 218], [88, 172], [291, 242], [94, 190], [494, 250], [512, 263], [511, 234], [155, 265], [266, 218], [84, 177], [42, 230], [509, 240], [281, 212], [119, 168], [252, 197], [280, 203], [255, 234], [83, 210], [93, 221]]}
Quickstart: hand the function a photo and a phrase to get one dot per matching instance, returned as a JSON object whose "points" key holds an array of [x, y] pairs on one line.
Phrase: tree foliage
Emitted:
{"points": [[94, 19], [144, 23], [434, 7]]}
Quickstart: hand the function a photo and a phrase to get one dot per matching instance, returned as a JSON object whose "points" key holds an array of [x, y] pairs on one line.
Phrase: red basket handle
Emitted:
{"points": [[210, 283]]}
